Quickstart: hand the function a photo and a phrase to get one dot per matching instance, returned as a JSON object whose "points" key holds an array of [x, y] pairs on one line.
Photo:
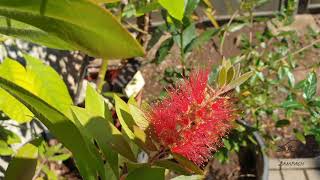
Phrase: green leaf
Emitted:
{"points": [[191, 6], [173, 166], [94, 31], [106, 134], [8, 136], [163, 50], [129, 11], [290, 76], [291, 104], [13, 108], [193, 177], [39, 79], [201, 39], [188, 164], [148, 8], [282, 123], [87, 160], [231, 74], [188, 34], [146, 173], [300, 136], [49, 173], [222, 77], [227, 144], [59, 158], [130, 128], [310, 86], [29, 33], [24, 163], [139, 117], [175, 8], [94, 102], [126, 120], [238, 81], [5, 149]]}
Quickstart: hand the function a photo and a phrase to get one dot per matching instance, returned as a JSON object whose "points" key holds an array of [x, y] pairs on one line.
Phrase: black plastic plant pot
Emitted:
{"points": [[253, 158]]}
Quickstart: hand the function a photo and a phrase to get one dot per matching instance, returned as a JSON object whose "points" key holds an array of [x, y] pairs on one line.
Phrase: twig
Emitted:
{"points": [[300, 50], [226, 31], [152, 52], [102, 73]]}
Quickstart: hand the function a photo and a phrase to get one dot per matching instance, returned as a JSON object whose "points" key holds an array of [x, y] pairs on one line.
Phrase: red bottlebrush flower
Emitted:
{"points": [[190, 122]]}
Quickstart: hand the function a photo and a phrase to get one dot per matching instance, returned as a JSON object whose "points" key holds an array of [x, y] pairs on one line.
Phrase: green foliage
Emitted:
{"points": [[64, 127], [146, 173], [175, 8], [58, 24], [24, 162], [39, 79]]}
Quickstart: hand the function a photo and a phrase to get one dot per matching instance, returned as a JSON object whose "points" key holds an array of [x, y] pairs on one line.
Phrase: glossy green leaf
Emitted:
{"points": [[222, 77], [238, 81], [188, 35], [39, 79], [149, 7], [51, 175], [106, 134], [191, 6], [63, 128], [5, 149], [27, 32], [13, 108], [188, 164], [203, 38], [24, 163], [175, 8], [173, 166], [94, 102], [8, 136], [139, 117], [291, 104], [163, 50], [129, 126], [310, 86], [230, 74], [126, 120], [94, 31], [290, 76], [146, 173]]}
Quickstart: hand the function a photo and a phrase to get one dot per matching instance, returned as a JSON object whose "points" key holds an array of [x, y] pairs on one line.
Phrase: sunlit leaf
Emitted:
{"points": [[94, 31], [310, 86], [146, 173], [175, 8], [39, 79], [238, 81], [188, 164], [63, 128], [24, 163]]}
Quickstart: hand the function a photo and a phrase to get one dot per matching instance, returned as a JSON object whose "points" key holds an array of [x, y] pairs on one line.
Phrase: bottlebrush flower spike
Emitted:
{"points": [[190, 122]]}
